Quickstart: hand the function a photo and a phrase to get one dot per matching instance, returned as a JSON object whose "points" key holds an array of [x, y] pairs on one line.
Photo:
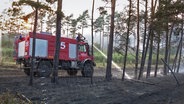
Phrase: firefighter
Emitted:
{"points": [[80, 37], [21, 37]]}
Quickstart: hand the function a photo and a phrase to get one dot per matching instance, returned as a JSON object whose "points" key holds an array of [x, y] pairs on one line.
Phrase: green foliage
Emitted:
{"points": [[7, 44], [97, 45], [7, 50], [100, 60], [98, 57], [34, 4], [7, 54], [118, 58], [51, 1]]}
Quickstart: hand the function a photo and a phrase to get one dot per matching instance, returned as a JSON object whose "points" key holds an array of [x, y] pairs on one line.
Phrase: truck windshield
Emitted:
{"points": [[82, 48]]}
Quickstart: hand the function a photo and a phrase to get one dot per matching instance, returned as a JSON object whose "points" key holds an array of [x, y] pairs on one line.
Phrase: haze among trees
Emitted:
{"points": [[156, 25]]}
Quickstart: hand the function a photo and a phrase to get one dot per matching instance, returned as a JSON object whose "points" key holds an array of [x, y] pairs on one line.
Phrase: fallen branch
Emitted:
{"points": [[21, 96], [171, 72]]}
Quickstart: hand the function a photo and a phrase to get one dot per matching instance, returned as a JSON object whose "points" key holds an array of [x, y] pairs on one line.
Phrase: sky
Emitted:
{"points": [[75, 7], [4, 4], [78, 6]]}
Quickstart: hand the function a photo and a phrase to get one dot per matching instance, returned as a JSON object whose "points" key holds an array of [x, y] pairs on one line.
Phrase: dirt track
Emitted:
{"points": [[79, 90]]}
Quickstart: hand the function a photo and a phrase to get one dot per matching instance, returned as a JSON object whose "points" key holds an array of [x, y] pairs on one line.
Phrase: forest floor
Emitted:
{"points": [[79, 90]]}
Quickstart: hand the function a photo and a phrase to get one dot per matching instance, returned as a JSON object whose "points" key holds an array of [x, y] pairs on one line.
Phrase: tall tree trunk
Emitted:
{"points": [[110, 45], [57, 50], [158, 53], [101, 40], [92, 14], [150, 54], [127, 38], [176, 56], [103, 35], [144, 42], [82, 31], [67, 31], [158, 44], [137, 51], [151, 41], [167, 43], [33, 47], [181, 46], [0, 47]]}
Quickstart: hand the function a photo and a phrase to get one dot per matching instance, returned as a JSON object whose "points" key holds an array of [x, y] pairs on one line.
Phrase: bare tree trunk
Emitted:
{"points": [[144, 42], [100, 40], [33, 47], [150, 54], [151, 41], [176, 56], [179, 51], [57, 50], [127, 38], [158, 45], [158, 53], [0, 47], [137, 51], [181, 46], [103, 40], [67, 31], [92, 13], [169, 42], [82, 31], [166, 45], [110, 45]]}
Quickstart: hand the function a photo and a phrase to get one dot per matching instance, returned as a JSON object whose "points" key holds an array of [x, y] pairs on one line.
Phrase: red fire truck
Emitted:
{"points": [[73, 55]]}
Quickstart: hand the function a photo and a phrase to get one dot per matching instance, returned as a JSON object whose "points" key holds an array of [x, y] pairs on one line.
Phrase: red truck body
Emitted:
{"points": [[73, 55]]}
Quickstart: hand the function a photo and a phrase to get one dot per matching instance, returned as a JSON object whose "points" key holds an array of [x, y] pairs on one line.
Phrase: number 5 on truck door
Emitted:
{"points": [[62, 45]]}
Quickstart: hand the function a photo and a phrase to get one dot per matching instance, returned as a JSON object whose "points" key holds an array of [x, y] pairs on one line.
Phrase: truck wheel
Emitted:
{"points": [[72, 72], [44, 69], [87, 70]]}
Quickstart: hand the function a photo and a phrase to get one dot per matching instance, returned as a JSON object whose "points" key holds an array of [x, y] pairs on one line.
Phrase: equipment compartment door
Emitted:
{"points": [[72, 51], [41, 48], [21, 49]]}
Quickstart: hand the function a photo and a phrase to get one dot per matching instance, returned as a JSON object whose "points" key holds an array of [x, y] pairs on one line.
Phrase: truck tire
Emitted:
{"points": [[72, 72], [87, 70], [44, 69]]}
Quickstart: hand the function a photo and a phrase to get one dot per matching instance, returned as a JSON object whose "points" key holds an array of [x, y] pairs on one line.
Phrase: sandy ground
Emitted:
{"points": [[79, 90]]}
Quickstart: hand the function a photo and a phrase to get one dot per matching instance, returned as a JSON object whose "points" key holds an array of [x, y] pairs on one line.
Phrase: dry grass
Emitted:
{"points": [[9, 98]]}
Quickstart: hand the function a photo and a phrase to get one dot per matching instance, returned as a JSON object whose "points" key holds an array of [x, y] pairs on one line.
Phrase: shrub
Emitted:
{"points": [[7, 50], [98, 57]]}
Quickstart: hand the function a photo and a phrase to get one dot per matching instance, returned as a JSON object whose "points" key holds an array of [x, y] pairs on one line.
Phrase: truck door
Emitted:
{"points": [[82, 52]]}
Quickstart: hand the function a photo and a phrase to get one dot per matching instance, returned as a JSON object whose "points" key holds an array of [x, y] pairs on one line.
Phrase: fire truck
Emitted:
{"points": [[74, 55]]}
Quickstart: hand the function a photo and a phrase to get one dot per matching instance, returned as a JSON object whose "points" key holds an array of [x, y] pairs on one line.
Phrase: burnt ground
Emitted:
{"points": [[79, 90]]}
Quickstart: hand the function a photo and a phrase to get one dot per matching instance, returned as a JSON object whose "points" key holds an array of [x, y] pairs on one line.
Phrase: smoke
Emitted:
{"points": [[181, 70]]}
